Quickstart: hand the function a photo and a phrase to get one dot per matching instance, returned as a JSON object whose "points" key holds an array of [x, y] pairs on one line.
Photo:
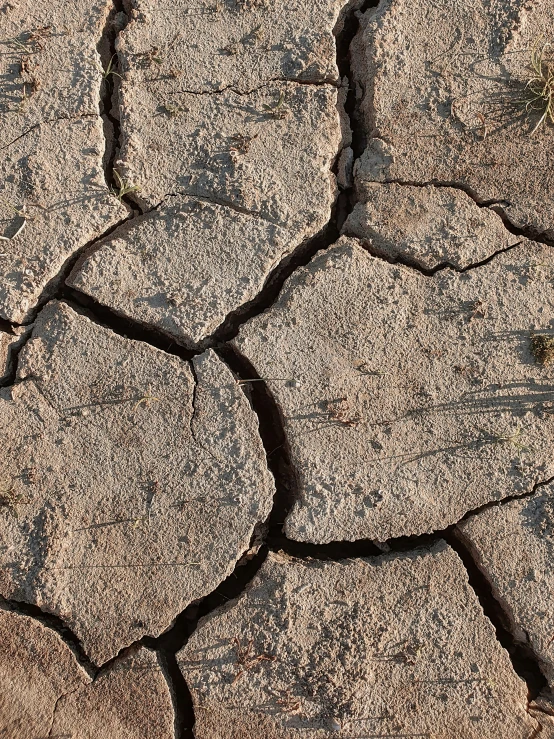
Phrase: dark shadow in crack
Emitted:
{"points": [[525, 662], [56, 624], [272, 432], [168, 644]]}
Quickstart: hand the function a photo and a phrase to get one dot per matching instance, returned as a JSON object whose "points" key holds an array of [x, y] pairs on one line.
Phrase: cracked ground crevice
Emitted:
{"points": [[275, 278], [231, 324], [246, 498], [525, 662], [55, 287], [116, 23], [274, 283], [431, 225], [341, 208], [168, 644], [331, 401], [279, 226], [11, 345], [343, 549], [122, 325], [271, 432], [54, 196], [244, 93], [46, 123], [474, 120], [406, 261], [180, 696], [261, 640], [496, 205]]}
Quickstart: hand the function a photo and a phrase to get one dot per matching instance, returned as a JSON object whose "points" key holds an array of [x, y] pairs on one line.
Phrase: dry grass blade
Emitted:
{"points": [[20, 213]]}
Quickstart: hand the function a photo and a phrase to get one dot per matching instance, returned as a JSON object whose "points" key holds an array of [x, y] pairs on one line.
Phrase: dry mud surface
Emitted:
{"points": [[276, 369]]}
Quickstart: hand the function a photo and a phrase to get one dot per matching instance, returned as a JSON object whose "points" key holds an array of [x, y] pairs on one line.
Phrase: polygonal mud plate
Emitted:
{"points": [[44, 692], [514, 545], [53, 201], [445, 97], [130, 481], [395, 646], [407, 400], [431, 227], [183, 268], [212, 45]]}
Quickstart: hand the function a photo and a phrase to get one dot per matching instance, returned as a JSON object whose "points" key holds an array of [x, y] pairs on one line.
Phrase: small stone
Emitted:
{"points": [[542, 346]]}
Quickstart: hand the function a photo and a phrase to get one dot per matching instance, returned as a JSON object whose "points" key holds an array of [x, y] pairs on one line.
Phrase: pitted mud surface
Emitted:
{"points": [[276, 351]]}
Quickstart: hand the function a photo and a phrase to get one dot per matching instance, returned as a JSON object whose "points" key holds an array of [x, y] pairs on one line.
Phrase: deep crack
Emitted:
{"points": [[169, 643], [109, 106], [55, 623], [108, 112], [527, 232], [272, 433], [14, 352], [303, 254], [124, 326], [56, 286], [344, 41], [271, 425], [180, 695], [300, 257], [524, 661]]}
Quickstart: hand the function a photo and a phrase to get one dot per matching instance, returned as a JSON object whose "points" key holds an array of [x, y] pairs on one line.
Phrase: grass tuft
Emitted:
{"points": [[540, 86], [124, 187], [110, 69]]}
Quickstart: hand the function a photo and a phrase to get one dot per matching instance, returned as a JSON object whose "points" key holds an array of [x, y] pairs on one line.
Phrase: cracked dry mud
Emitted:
{"points": [[53, 145], [134, 480], [276, 351], [45, 692], [422, 669]]}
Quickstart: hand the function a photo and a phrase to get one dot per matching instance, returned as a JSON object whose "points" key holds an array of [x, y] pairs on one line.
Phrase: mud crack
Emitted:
{"points": [[525, 662], [109, 97]]}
